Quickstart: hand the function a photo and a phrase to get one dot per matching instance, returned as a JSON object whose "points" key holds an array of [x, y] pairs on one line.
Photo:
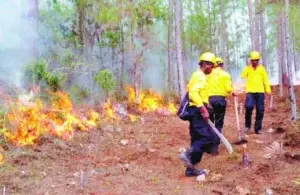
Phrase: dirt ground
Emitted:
{"points": [[97, 162]]}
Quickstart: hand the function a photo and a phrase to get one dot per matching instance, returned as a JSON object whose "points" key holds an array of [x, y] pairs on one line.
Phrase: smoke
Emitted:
{"points": [[16, 40]]}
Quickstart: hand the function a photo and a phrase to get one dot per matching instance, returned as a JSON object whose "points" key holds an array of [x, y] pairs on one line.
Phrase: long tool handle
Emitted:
{"points": [[237, 118], [236, 113], [271, 102], [221, 136]]}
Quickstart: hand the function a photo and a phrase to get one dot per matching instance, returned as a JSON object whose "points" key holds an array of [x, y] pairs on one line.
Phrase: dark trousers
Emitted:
{"points": [[202, 137], [257, 100], [219, 109]]}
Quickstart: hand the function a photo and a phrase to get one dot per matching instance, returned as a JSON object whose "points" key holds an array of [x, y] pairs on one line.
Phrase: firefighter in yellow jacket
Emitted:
{"points": [[219, 86], [202, 137], [257, 84]]}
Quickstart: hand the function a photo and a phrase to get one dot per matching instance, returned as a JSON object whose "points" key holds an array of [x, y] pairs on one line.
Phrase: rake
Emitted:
{"points": [[240, 133]]}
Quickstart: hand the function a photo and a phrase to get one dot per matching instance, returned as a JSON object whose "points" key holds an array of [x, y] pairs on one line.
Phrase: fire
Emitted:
{"points": [[1, 159], [28, 118], [132, 118], [149, 101], [27, 122], [172, 108], [108, 111]]}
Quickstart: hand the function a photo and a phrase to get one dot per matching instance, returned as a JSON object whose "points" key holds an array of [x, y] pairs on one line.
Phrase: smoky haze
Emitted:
{"points": [[16, 37], [19, 37]]}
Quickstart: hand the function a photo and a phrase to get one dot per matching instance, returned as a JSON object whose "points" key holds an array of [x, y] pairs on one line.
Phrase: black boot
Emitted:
{"points": [[191, 172]]}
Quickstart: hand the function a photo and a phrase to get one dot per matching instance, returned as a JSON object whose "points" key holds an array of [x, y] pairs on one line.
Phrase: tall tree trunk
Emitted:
{"points": [[294, 49], [223, 34], [251, 24], [80, 21], [210, 25], [122, 62], [289, 65], [170, 46], [179, 49], [140, 59], [256, 22], [281, 54], [33, 17], [184, 49], [283, 50], [134, 67], [263, 37]]}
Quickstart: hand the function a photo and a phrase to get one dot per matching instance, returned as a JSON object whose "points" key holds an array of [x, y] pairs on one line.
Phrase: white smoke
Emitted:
{"points": [[16, 35]]}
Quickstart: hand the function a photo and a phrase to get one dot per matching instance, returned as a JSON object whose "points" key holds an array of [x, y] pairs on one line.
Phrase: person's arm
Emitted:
{"points": [[244, 73], [197, 84], [266, 81], [228, 84]]}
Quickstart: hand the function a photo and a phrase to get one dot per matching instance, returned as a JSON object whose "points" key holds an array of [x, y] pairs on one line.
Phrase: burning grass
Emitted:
{"points": [[28, 118], [25, 123]]}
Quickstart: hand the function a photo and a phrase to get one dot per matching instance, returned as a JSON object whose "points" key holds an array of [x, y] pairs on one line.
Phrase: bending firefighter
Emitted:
{"points": [[219, 86], [257, 84], [202, 137]]}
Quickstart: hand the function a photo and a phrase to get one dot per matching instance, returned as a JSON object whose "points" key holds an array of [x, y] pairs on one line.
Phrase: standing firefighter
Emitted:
{"points": [[219, 86], [202, 137], [257, 84]]}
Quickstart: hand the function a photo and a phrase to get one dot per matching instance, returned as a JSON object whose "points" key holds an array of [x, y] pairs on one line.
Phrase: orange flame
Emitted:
{"points": [[108, 111], [26, 123], [1, 159], [149, 101]]}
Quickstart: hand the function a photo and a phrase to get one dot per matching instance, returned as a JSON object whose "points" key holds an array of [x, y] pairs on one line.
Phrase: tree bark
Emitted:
{"points": [[223, 34], [122, 62], [289, 65], [80, 23], [263, 38], [251, 25], [179, 49], [281, 53], [256, 23], [170, 46], [294, 49], [210, 25]]}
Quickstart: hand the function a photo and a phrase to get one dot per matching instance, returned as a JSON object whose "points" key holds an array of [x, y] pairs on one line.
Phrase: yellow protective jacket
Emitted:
{"points": [[256, 80], [197, 89], [219, 83]]}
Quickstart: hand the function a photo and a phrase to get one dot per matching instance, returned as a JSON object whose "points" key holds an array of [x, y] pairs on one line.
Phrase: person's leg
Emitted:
{"points": [[185, 157], [199, 131], [212, 111], [196, 154], [220, 108], [249, 105], [260, 108]]}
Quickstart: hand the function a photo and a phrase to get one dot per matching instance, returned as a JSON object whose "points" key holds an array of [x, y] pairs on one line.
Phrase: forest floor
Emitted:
{"points": [[97, 163]]}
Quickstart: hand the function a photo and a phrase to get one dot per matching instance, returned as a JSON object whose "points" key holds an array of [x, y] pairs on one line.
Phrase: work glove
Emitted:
{"points": [[204, 113]]}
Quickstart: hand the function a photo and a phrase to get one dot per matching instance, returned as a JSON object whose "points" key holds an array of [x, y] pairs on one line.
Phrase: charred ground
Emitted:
{"points": [[146, 162]]}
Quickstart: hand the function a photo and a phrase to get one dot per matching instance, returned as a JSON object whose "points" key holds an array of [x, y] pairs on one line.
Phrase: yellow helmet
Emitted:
{"points": [[219, 60], [254, 55], [208, 56]]}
